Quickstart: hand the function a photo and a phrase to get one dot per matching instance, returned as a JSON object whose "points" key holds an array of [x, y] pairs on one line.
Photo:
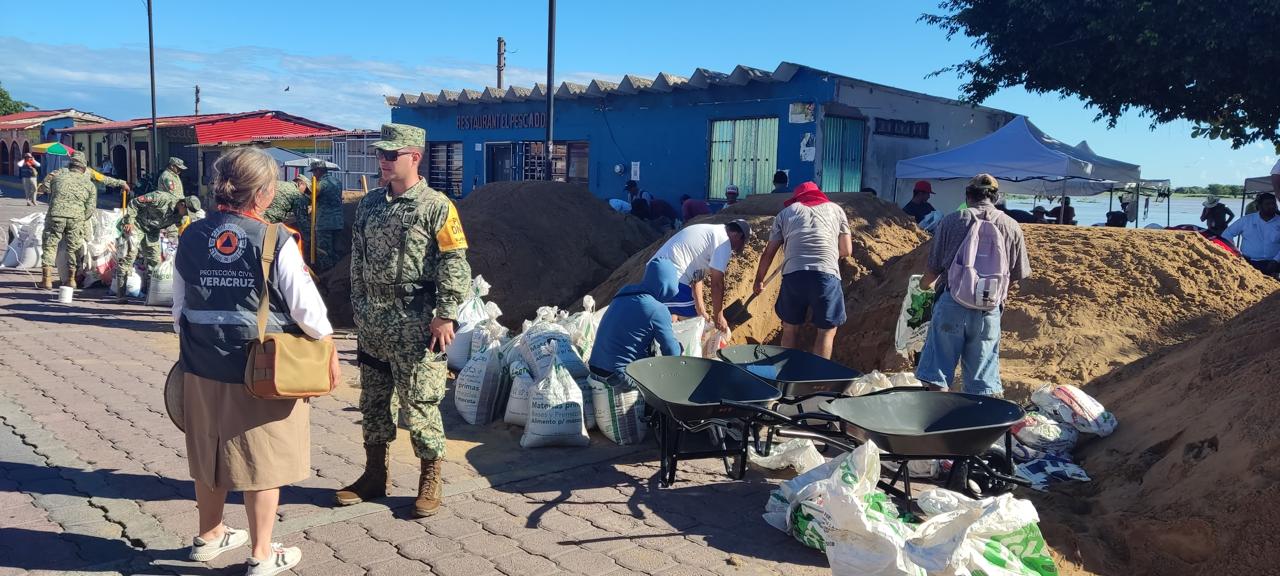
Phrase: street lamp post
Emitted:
{"points": [[551, 77], [151, 50]]}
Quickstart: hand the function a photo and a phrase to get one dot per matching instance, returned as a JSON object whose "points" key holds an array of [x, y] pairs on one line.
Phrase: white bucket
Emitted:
{"points": [[65, 293]]}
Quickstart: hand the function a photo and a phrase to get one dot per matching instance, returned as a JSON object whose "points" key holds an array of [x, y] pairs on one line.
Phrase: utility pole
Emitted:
{"points": [[551, 79], [151, 50], [197, 99], [502, 59]]}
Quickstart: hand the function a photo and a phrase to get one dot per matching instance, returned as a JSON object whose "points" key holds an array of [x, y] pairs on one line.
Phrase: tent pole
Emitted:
{"points": [[1111, 199], [1168, 211]]}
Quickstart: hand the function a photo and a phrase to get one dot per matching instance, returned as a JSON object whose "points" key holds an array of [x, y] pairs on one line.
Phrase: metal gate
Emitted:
{"points": [[843, 141], [744, 153]]}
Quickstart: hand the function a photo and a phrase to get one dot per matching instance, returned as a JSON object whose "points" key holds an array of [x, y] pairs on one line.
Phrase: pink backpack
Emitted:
{"points": [[979, 276]]}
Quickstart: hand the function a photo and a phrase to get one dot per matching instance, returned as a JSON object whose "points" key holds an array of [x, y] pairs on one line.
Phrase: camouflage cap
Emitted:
{"points": [[78, 158], [318, 164], [398, 136], [193, 203], [175, 161]]}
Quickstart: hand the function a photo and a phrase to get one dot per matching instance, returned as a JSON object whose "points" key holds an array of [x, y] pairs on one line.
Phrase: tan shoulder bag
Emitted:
{"points": [[284, 366]]}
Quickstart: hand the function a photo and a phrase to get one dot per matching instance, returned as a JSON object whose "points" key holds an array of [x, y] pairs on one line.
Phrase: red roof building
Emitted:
{"points": [[126, 144]]}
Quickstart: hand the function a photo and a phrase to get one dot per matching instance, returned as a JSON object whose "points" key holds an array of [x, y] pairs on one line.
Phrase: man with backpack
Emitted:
{"points": [[977, 254]]}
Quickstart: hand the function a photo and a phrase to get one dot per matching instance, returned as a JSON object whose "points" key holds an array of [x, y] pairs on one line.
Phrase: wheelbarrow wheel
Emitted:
{"points": [[973, 480]]}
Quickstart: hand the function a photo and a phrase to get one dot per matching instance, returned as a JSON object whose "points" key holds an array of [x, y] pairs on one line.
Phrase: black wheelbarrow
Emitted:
{"points": [[910, 423], [689, 396], [797, 374]]}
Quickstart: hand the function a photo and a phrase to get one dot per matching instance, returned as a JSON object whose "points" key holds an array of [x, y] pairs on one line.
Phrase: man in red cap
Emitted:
{"points": [[815, 233], [919, 206]]}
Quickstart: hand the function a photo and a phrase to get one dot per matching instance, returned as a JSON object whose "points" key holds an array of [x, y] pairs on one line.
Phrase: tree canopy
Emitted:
{"points": [[8, 105], [1212, 62]]}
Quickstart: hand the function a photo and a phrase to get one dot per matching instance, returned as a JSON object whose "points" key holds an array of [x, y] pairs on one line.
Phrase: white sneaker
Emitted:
{"points": [[202, 551], [280, 560]]}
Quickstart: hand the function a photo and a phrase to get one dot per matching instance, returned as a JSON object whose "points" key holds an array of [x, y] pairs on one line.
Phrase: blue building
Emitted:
{"points": [[692, 135]]}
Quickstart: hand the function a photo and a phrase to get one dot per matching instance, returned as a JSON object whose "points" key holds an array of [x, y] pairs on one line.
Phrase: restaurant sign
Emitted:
{"points": [[501, 121]]}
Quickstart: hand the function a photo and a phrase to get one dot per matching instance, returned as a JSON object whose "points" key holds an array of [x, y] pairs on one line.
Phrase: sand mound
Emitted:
{"points": [[1188, 483], [1098, 298], [545, 243], [882, 233]]}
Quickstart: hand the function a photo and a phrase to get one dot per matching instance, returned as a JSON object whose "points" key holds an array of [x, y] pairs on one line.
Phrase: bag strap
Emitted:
{"points": [[264, 298]]}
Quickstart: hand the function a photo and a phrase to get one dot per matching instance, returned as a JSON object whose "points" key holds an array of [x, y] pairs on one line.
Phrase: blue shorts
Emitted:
{"points": [[682, 304], [810, 290]]}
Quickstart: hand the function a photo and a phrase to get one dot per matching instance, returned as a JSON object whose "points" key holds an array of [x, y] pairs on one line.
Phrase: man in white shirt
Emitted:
{"points": [[1261, 230], [699, 252]]}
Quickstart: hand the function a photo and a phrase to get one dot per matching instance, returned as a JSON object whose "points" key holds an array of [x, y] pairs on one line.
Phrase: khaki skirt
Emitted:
{"points": [[239, 443]]}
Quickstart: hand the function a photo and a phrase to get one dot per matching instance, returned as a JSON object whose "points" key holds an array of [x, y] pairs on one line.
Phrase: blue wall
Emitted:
{"points": [[668, 133]]}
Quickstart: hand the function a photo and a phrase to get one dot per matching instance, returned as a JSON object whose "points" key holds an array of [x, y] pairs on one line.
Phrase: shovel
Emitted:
{"points": [[737, 313]]}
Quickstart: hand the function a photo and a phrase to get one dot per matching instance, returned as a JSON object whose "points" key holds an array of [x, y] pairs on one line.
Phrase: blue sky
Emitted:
{"points": [[338, 58]]}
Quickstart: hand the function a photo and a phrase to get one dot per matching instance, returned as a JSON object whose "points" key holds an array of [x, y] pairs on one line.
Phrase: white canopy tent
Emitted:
{"points": [[1258, 184], [1028, 161]]}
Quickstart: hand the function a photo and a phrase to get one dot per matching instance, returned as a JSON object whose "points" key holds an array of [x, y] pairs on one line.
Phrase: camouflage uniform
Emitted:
{"points": [[73, 198], [150, 214], [408, 265], [329, 222], [169, 181], [284, 206]]}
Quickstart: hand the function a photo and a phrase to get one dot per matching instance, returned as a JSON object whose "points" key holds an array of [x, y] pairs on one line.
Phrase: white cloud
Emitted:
{"points": [[345, 92]]}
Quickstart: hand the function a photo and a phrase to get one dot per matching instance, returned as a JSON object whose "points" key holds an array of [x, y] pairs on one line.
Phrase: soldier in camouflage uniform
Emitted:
{"points": [[284, 207], [73, 196], [151, 214], [169, 181], [329, 220], [409, 275]]}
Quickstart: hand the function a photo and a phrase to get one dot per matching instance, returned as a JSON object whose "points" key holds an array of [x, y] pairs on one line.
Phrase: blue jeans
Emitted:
{"points": [[965, 336]]}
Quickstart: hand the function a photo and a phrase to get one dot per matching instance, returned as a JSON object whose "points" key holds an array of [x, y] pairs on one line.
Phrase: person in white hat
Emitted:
{"points": [[1216, 216]]}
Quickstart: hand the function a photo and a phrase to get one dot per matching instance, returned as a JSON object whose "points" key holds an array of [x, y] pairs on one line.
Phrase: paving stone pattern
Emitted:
{"points": [[93, 476]]}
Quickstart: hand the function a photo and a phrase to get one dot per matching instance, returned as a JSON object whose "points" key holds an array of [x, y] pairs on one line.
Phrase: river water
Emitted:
{"points": [[1092, 210]]}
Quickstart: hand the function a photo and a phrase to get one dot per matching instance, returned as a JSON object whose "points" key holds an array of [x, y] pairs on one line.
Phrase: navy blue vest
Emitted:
{"points": [[220, 260]]}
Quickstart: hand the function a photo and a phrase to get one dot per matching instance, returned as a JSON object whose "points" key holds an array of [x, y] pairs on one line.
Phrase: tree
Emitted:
{"points": [[1212, 62], [8, 105]]}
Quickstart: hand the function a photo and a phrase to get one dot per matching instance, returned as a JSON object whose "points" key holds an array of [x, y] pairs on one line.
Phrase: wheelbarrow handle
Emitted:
{"points": [[759, 410], [799, 399]]}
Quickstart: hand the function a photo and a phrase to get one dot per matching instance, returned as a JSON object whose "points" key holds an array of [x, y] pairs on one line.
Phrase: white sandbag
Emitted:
{"points": [[876, 381], [133, 287], [522, 383], [689, 334], [487, 331], [25, 238], [619, 410], [714, 340], [797, 453], [913, 319], [160, 291], [1040, 433], [470, 314], [539, 356], [582, 327], [994, 536], [477, 386], [555, 410], [864, 534], [1070, 405]]}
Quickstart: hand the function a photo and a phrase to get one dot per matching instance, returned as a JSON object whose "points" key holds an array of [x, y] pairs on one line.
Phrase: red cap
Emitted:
{"points": [[923, 186]]}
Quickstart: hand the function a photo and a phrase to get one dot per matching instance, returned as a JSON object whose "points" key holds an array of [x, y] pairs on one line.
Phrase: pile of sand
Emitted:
{"points": [[1097, 299], [545, 243], [1190, 481], [882, 233]]}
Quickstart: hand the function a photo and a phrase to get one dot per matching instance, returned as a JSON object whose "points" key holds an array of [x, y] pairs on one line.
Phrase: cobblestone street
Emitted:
{"points": [[93, 476]]}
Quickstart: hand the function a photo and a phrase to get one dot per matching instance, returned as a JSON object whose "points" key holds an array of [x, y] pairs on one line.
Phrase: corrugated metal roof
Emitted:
{"points": [[33, 118], [206, 119], [701, 79], [249, 127]]}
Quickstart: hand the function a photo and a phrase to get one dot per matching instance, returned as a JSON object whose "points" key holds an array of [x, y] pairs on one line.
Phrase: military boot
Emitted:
{"points": [[71, 276], [430, 487], [121, 288], [46, 278], [373, 484]]}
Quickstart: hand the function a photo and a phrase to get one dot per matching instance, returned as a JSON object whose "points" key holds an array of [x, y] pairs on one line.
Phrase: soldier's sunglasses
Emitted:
{"points": [[392, 155]]}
